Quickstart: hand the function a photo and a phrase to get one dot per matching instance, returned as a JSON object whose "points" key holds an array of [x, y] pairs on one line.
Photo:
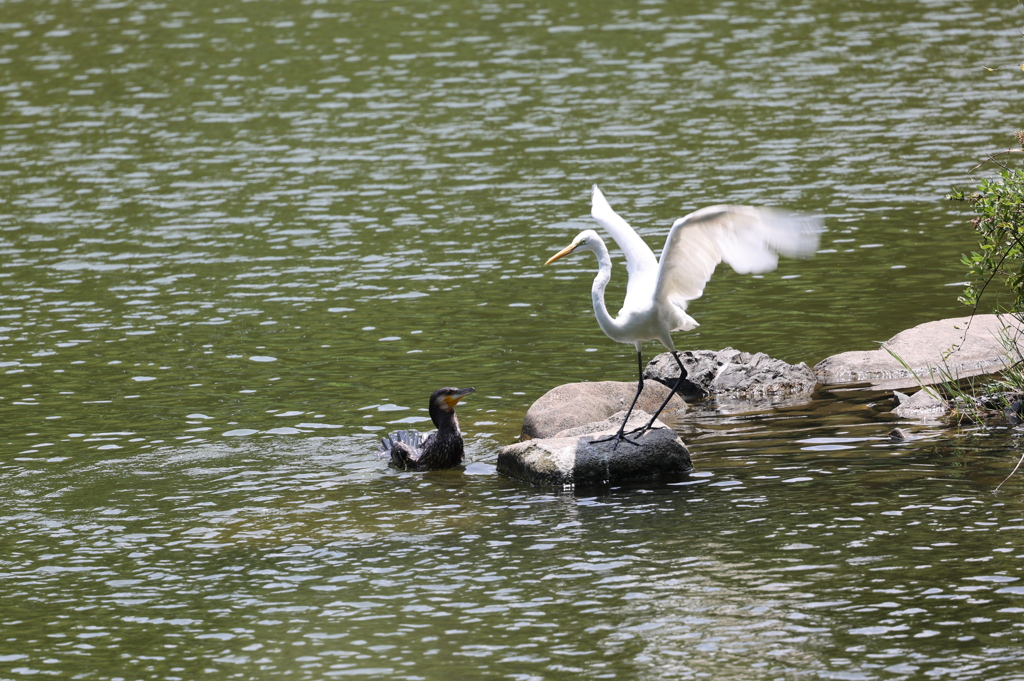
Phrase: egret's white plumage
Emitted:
{"points": [[748, 239]]}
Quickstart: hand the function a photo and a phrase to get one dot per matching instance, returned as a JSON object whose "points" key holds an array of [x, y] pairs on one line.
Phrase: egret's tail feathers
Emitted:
{"points": [[411, 438], [681, 321]]}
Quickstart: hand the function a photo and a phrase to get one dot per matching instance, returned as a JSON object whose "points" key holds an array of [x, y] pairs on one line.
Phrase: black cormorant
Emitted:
{"points": [[414, 451]]}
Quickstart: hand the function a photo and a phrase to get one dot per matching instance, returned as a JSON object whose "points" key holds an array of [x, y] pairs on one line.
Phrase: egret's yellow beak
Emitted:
{"points": [[562, 253]]}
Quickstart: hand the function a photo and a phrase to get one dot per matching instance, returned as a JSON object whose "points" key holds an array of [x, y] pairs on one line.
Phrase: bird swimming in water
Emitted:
{"points": [[413, 451], [657, 293]]}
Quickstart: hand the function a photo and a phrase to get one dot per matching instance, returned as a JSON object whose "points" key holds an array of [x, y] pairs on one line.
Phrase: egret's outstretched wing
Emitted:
{"points": [[749, 239], [641, 264]]}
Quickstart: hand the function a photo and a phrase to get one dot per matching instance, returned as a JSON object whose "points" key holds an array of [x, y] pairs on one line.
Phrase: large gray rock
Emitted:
{"points": [[577, 404], [734, 374], [956, 348], [573, 458]]}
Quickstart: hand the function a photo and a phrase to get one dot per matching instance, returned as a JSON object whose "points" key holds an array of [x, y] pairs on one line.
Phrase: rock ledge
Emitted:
{"points": [[959, 348]]}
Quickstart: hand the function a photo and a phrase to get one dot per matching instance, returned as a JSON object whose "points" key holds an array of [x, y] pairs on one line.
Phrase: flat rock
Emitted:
{"points": [[733, 374], [577, 404], [949, 348], [572, 458], [611, 424], [923, 404]]}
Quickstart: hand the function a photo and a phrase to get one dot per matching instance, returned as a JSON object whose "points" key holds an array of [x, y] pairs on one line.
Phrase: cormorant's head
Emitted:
{"points": [[445, 399]]}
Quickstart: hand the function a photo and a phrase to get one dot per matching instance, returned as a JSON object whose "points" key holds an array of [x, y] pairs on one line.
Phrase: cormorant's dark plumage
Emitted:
{"points": [[411, 450]]}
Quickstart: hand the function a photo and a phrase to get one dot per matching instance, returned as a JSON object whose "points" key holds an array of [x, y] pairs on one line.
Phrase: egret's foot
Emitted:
{"points": [[643, 430], [618, 437]]}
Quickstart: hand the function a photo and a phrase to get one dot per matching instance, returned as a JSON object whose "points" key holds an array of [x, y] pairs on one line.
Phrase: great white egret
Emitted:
{"points": [[657, 293], [411, 450]]}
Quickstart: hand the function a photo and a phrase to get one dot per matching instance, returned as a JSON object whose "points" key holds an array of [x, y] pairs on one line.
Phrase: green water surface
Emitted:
{"points": [[241, 240]]}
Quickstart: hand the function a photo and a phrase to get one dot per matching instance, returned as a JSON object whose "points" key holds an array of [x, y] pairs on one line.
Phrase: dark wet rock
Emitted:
{"points": [[956, 348], [572, 457], [899, 435], [1014, 412], [986, 401], [577, 404], [997, 407], [730, 373], [923, 404]]}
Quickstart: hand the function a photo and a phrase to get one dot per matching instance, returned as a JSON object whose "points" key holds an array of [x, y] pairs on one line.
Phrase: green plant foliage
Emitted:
{"points": [[999, 205]]}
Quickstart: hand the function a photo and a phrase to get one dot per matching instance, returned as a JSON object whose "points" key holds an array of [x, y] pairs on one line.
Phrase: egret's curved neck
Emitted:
{"points": [[604, 275]]}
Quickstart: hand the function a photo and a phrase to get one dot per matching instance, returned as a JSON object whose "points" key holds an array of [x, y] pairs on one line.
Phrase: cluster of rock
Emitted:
{"points": [[565, 433], [560, 442], [734, 381], [731, 373]]}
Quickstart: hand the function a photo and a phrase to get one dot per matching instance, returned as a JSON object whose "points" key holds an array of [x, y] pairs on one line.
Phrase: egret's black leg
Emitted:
{"points": [[679, 382], [620, 436]]}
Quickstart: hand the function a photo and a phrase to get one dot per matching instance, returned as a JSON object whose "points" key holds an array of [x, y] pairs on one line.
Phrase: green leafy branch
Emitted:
{"points": [[999, 206]]}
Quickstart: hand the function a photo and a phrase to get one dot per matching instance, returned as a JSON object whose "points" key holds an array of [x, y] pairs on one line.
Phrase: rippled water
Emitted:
{"points": [[238, 240]]}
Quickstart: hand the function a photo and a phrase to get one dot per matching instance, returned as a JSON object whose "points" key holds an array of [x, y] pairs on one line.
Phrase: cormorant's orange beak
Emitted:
{"points": [[562, 253], [454, 398]]}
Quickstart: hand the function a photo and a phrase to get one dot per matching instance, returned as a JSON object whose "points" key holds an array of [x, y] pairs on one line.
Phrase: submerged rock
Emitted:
{"points": [[925, 403], [571, 457], [577, 404], [898, 435], [730, 373], [930, 353]]}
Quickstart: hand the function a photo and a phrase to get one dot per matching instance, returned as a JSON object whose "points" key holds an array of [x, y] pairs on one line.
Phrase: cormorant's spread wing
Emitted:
{"points": [[640, 261], [412, 439], [749, 239]]}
